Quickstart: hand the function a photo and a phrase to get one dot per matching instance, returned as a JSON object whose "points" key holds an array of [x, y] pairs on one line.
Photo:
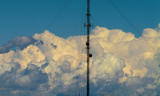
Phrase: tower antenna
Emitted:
{"points": [[88, 47]]}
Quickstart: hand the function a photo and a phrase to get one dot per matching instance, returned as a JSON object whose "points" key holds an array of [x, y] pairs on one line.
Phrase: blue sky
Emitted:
{"points": [[66, 17]]}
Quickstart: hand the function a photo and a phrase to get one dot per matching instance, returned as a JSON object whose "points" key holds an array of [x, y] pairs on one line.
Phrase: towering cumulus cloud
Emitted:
{"points": [[47, 65]]}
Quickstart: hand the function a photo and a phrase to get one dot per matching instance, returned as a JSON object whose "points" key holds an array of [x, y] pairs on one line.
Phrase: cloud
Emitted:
{"points": [[18, 42], [48, 65]]}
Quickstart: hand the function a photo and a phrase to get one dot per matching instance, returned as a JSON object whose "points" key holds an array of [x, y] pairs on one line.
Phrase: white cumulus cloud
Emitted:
{"points": [[48, 65]]}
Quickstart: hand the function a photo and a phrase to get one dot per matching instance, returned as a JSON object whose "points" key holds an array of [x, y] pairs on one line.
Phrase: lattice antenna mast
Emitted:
{"points": [[88, 47]]}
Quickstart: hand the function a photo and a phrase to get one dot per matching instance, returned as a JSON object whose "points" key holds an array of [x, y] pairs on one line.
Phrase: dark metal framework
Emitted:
{"points": [[88, 47]]}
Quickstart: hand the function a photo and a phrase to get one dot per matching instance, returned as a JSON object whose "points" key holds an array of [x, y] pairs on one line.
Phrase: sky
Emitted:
{"points": [[43, 48], [66, 17]]}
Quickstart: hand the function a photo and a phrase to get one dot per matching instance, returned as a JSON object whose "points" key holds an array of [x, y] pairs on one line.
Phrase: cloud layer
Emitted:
{"points": [[47, 65]]}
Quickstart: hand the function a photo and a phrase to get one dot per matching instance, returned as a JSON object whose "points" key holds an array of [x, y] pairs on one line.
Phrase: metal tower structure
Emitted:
{"points": [[88, 46]]}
